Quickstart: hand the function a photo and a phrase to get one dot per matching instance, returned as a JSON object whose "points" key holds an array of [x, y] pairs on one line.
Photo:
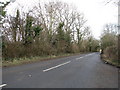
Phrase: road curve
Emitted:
{"points": [[81, 71]]}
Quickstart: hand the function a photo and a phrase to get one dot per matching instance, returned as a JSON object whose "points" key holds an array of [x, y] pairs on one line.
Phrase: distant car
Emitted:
{"points": [[101, 51]]}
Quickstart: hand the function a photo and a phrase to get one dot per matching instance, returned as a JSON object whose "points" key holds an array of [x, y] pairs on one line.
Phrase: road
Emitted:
{"points": [[80, 71]]}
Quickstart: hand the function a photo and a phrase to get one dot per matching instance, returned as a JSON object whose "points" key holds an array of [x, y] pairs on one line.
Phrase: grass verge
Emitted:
{"points": [[110, 61], [20, 61]]}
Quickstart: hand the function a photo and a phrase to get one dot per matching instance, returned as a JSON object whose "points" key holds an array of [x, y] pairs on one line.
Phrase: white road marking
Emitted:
{"points": [[65, 63], [89, 54], [84, 56], [56, 66], [2, 85], [79, 58]]}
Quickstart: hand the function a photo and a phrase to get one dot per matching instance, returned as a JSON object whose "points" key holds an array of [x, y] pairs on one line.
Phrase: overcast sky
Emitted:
{"points": [[95, 11]]}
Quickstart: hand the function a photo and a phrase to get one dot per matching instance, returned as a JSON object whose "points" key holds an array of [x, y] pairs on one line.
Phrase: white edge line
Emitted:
{"points": [[79, 58], [3, 85], [56, 66]]}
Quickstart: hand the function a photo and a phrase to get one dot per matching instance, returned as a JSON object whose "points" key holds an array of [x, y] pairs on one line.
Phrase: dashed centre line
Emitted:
{"points": [[64, 63], [2, 85], [84, 56], [89, 55], [56, 66], [79, 58]]}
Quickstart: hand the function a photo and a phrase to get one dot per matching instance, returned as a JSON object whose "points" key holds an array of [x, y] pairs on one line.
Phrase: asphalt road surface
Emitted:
{"points": [[80, 71]]}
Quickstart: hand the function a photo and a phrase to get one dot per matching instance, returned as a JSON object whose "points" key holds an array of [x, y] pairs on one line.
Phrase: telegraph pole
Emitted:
{"points": [[119, 30], [2, 16], [119, 43]]}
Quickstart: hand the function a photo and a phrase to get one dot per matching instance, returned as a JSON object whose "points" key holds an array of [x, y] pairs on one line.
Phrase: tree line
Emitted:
{"points": [[110, 42], [51, 28]]}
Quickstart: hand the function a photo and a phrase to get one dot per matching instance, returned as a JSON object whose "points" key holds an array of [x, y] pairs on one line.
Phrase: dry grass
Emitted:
{"points": [[19, 61], [110, 61]]}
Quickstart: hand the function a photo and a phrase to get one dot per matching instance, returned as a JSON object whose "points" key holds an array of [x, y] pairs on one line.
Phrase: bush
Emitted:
{"points": [[75, 48], [13, 50], [111, 52], [19, 50]]}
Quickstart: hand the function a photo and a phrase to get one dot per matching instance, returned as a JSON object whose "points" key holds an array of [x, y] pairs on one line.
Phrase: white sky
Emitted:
{"points": [[95, 11]]}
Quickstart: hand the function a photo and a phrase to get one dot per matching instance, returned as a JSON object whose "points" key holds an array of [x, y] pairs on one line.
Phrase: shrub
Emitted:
{"points": [[111, 52]]}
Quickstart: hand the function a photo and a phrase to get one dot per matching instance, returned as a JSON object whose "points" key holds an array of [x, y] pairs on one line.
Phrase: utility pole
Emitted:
{"points": [[119, 30], [2, 16], [119, 43]]}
